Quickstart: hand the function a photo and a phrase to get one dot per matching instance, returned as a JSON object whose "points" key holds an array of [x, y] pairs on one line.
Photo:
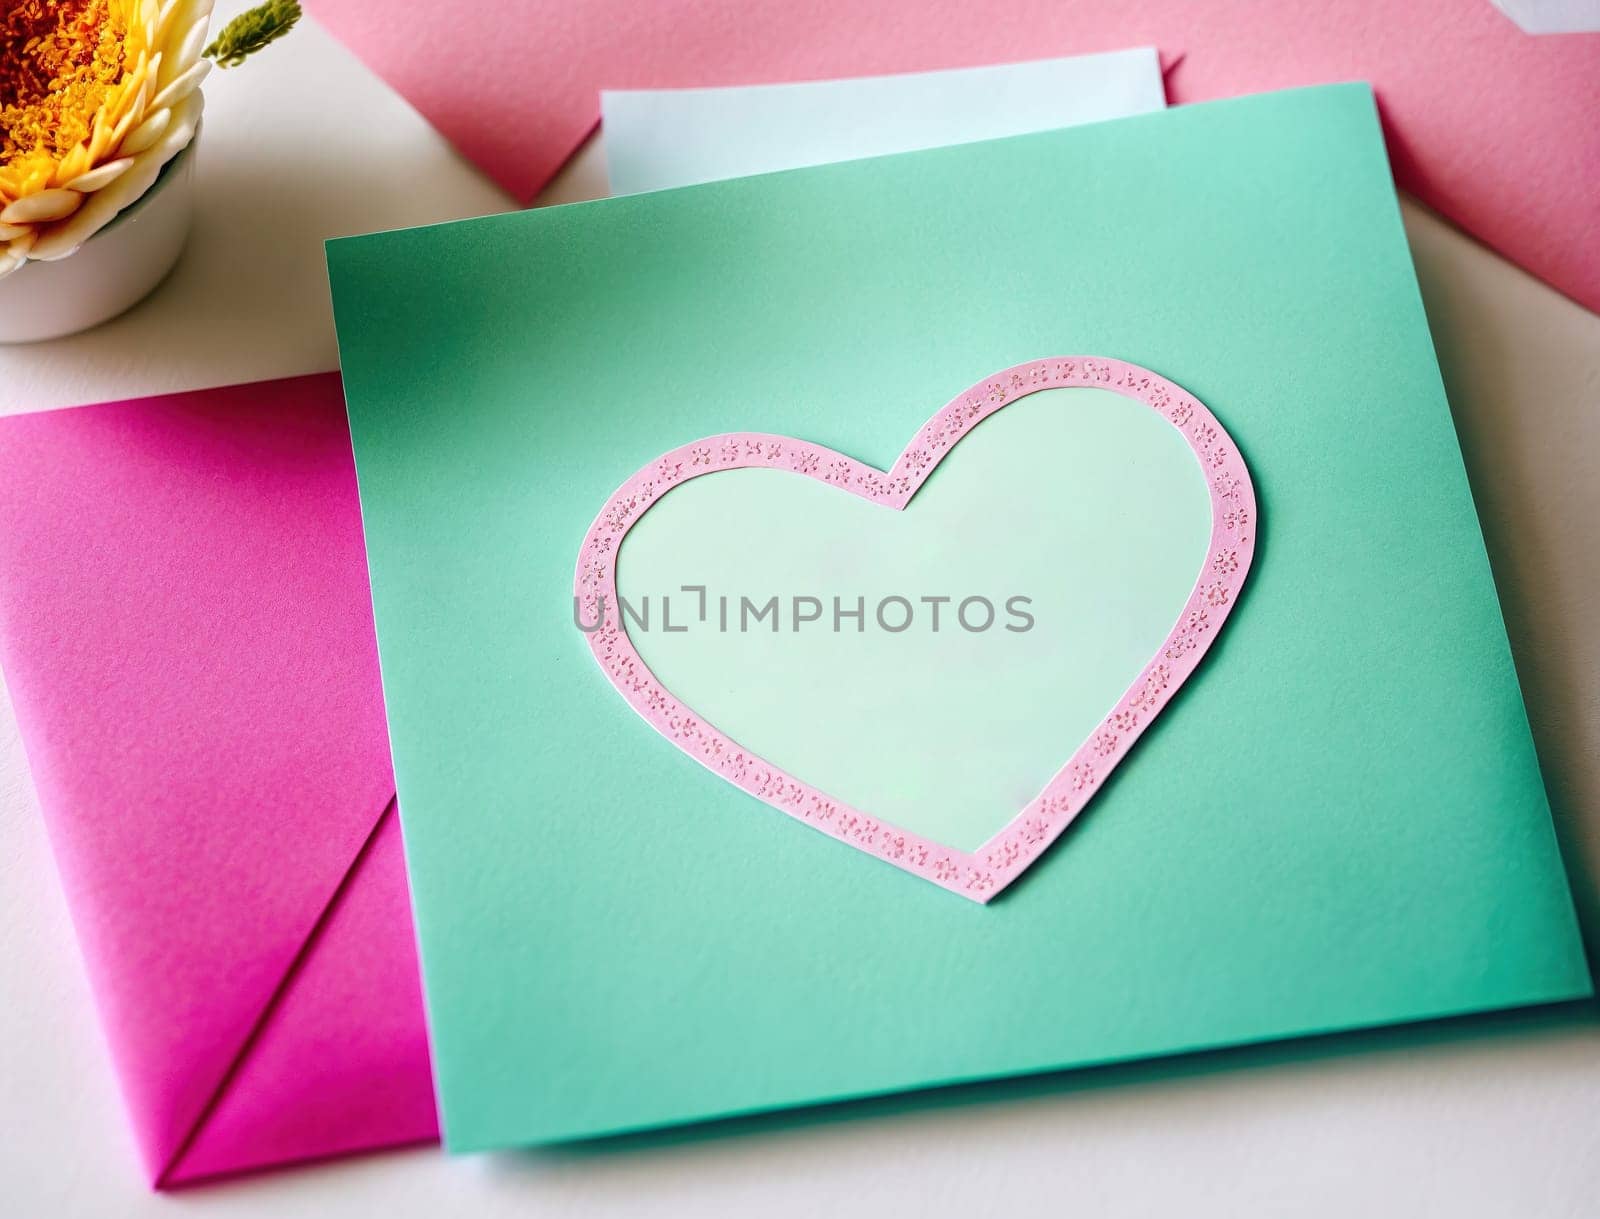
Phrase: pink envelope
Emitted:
{"points": [[1492, 126], [186, 632]]}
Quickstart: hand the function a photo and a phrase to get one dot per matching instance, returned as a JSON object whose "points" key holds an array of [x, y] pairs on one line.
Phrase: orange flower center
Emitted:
{"points": [[58, 59]]}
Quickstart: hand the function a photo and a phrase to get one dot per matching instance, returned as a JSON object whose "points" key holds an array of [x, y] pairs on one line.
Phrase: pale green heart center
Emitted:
{"points": [[1088, 505]]}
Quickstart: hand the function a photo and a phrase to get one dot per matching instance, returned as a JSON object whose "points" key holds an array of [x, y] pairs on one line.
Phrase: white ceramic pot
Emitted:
{"points": [[113, 271]]}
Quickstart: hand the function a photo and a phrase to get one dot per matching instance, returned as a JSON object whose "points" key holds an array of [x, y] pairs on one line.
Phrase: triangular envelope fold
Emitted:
{"points": [[313, 1082]]}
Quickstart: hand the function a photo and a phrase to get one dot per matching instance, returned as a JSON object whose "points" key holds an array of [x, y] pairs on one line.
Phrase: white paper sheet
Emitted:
{"points": [[657, 138], [1553, 16]]}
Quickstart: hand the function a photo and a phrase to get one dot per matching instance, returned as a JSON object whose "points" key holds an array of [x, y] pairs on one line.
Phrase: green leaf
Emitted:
{"points": [[250, 31]]}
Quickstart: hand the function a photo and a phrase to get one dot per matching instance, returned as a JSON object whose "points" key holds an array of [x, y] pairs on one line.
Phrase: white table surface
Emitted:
{"points": [[1498, 1116]]}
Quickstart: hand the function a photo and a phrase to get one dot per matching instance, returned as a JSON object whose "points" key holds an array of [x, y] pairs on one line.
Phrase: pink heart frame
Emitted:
{"points": [[981, 874]]}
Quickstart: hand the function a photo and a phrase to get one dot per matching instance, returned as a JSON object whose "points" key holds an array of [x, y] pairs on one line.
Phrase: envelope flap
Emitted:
{"points": [[340, 1060], [186, 633]]}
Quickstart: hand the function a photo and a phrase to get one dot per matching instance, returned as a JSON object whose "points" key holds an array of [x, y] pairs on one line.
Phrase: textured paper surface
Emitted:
{"points": [[657, 138], [1491, 126], [1363, 838], [186, 634]]}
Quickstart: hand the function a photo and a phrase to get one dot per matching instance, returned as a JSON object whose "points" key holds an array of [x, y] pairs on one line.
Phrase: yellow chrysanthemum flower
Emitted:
{"points": [[95, 97]]}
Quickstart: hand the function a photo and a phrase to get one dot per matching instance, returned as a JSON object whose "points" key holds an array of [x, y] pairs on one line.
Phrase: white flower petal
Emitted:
{"points": [[134, 114], [151, 75], [179, 87], [15, 253], [190, 11], [55, 204], [146, 133], [185, 118], [103, 206], [104, 175], [164, 19], [183, 57], [8, 231], [124, 125]]}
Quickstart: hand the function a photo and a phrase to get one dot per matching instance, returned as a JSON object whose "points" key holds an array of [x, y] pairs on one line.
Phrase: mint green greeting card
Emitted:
{"points": [[974, 612]]}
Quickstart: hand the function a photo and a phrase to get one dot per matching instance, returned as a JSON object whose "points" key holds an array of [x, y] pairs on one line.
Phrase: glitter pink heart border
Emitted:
{"points": [[985, 872]]}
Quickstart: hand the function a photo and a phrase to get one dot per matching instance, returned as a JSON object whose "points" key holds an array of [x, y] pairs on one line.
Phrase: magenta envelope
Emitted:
{"points": [[186, 633]]}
